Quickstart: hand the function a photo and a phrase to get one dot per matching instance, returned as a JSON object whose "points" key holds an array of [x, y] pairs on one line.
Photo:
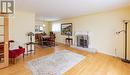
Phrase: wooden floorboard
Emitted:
{"points": [[93, 64]]}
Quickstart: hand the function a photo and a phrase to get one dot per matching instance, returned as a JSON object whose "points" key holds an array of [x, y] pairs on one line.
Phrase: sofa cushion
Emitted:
{"points": [[16, 52]]}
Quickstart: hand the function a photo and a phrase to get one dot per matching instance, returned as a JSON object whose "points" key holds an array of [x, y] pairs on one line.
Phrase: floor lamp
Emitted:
{"points": [[126, 28]]}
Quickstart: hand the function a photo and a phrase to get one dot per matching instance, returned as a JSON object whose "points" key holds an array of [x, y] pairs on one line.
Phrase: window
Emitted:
{"points": [[39, 28], [56, 27]]}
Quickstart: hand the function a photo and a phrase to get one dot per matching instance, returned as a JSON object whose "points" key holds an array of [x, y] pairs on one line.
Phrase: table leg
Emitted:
{"points": [[27, 49], [65, 41], [31, 48], [71, 42], [34, 49]]}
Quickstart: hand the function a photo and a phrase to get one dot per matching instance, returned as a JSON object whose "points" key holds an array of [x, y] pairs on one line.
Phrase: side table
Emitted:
{"points": [[69, 41], [31, 50]]}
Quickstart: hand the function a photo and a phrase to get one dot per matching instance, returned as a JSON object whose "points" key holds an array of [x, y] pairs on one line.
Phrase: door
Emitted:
{"points": [[128, 40], [3, 41]]}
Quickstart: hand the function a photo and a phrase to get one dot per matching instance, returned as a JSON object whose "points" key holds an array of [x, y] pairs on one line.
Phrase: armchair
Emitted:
{"points": [[13, 54]]}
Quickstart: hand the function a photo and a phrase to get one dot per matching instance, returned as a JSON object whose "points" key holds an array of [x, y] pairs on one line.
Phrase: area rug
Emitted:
{"points": [[54, 64]]}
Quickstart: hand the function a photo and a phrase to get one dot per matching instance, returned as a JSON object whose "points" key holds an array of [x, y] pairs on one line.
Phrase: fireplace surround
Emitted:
{"points": [[82, 42]]}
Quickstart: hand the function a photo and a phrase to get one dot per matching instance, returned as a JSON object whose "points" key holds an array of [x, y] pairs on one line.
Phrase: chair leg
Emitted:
{"points": [[14, 60], [11, 60], [23, 56]]}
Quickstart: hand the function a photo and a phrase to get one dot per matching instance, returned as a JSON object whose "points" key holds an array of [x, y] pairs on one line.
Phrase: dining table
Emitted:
{"points": [[46, 37], [46, 40]]}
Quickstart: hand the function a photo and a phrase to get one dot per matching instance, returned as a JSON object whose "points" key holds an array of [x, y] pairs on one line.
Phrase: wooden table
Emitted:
{"points": [[45, 37]]}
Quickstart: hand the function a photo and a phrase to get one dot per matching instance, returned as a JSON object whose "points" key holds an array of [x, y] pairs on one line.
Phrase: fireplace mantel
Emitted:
{"points": [[81, 33]]}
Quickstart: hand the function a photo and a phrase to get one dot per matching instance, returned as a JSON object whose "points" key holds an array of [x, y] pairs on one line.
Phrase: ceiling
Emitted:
{"points": [[50, 10]]}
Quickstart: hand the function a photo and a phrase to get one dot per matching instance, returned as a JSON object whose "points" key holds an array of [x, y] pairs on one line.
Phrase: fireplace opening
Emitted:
{"points": [[82, 41]]}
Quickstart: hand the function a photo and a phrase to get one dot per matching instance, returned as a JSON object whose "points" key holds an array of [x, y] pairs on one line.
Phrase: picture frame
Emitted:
{"points": [[66, 28]]}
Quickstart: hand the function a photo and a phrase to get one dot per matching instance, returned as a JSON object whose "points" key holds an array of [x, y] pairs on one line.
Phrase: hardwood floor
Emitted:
{"points": [[93, 64]]}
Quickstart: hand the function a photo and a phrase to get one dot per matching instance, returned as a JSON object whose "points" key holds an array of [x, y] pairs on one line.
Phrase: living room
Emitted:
{"points": [[65, 38]]}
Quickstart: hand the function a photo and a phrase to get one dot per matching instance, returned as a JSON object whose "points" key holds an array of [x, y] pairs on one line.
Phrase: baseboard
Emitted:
{"points": [[96, 51]]}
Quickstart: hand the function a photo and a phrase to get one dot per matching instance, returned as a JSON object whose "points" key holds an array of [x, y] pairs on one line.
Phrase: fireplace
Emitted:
{"points": [[82, 41]]}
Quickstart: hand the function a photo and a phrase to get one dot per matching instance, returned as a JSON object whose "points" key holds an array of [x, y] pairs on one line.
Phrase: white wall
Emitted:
{"points": [[102, 27], [19, 25]]}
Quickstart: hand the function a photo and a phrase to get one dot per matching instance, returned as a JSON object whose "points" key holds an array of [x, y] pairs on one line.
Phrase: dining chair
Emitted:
{"points": [[52, 40]]}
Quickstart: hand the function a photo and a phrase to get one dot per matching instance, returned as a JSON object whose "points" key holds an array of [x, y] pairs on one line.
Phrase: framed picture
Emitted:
{"points": [[66, 29]]}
